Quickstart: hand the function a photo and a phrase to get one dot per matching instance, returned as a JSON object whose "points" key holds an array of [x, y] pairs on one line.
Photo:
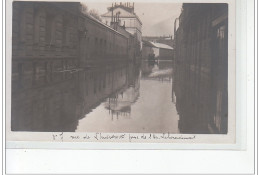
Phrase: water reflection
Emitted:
{"points": [[122, 97], [120, 104], [143, 105], [56, 104]]}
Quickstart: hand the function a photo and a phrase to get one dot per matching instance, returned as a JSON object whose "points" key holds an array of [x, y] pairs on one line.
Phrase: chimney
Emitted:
{"points": [[112, 13], [118, 17]]}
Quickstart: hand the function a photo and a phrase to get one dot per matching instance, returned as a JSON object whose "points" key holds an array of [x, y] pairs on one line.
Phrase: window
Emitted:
{"points": [[95, 84], [37, 27], [221, 32], [96, 46], [105, 46], [65, 33], [100, 46], [86, 83], [49, 29], [99, 84], [104, 80]]}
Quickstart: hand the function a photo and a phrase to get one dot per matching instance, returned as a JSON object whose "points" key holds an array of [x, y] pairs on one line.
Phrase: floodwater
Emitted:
{"points": [[113, 97], [144, 104]]}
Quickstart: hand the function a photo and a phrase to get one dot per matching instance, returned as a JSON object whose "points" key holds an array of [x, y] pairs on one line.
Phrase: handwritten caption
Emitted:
{"points": [[129, 137]]}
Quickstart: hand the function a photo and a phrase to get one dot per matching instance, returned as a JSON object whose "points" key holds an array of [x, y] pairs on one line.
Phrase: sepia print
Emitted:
{"points": [[120, 67]]}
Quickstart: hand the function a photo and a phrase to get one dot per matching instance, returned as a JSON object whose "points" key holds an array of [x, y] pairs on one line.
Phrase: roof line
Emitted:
{"points": [[135, 15]]}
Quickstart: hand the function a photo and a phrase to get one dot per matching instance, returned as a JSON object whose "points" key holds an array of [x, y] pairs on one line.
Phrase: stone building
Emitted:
{"points": [[158, 50], [201, 68], [147, 50], [163, 51], [126, 16], [44, 45], [131, 49], [63, 65], [168, 40]]}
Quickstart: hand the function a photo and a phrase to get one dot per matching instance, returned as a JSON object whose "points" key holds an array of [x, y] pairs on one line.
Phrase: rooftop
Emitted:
{"points": [[127, 6], [127, 12], [162, 46]]}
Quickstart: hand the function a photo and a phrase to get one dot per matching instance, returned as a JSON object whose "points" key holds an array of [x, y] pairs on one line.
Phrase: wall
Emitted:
{"points": [[59, 106], [101, 43], [132, 25], [200, 68], [146, 51], [56, 70], [165, 54], [160, 39]]}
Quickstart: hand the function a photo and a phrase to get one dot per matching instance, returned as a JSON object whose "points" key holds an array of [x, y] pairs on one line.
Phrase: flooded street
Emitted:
{"points": [[144, 106], [120, 70], [119, 97], [74, 70]]}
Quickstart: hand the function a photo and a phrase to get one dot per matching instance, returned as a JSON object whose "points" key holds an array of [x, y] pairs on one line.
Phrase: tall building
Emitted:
{"points": [[201, 68], [124, 13]]}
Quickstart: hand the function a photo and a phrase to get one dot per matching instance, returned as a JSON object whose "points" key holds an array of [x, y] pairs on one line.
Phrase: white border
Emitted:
{"points": [[203, 141], [165, 161]]}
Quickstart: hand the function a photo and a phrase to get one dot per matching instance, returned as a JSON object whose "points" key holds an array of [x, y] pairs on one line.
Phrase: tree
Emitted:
{"points": [[84, 8], [93, 12]]}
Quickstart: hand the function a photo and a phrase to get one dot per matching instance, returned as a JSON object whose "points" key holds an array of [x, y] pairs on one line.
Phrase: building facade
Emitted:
{"points": [[201, 68], [168, 40], [157, 50], [127, 18], [63, 64]]}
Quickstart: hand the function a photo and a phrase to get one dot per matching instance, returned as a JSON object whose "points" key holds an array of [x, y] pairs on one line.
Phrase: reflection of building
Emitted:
{"points": [[59, 106], [99, 83], [119, 104], [127, 18], [159, 50], [201, 68]]}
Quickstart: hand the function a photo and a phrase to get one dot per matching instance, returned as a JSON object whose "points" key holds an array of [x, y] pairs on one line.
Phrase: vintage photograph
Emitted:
{"points": [[119, 67]]}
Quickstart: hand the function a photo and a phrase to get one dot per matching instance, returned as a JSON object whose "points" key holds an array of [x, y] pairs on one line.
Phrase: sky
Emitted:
{"points": [[157, 18]]}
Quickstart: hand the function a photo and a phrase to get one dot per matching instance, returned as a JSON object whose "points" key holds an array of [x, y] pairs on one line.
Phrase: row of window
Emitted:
{"points": [[40, 27], [102, 47]]}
